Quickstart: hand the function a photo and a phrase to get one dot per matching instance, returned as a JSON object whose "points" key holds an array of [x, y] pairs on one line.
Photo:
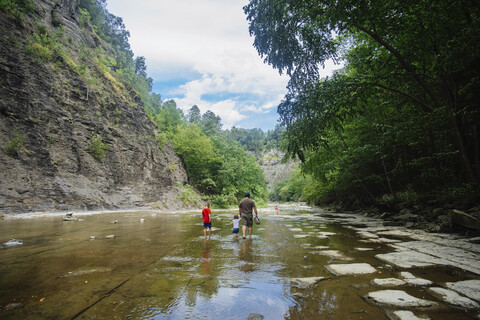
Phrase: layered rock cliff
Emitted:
{"points": [[58, 114], [275, 169]]}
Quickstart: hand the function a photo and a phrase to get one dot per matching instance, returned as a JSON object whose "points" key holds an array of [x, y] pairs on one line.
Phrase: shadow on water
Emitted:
{"points": [[161, 267]]}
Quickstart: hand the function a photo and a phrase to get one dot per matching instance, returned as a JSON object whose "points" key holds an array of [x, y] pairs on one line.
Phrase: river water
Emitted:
{"points": [[159, 266]]}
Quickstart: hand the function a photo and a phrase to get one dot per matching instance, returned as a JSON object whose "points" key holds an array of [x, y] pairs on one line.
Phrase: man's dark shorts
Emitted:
{"points": [[207, 225], [247, 220]]}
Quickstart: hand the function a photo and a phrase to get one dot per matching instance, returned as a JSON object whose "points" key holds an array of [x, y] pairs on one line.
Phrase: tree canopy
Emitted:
{"points": [[402, 117]]}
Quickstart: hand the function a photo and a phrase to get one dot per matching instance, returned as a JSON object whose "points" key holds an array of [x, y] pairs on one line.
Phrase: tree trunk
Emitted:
{"points": [[464, 161]]}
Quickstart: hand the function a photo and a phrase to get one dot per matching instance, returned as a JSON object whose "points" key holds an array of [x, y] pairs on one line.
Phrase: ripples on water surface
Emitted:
{"points": [[163, 268]]}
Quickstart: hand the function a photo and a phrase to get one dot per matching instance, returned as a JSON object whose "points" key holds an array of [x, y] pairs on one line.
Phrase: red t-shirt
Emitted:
{"points": [[206, 215]]}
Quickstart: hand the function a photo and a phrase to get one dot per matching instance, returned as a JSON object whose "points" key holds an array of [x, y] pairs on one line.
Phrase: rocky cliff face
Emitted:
{"points": [[274, 168], [50, 113]]}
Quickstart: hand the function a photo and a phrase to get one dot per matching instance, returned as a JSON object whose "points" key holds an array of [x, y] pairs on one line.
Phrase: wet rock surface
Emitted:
{"points": [[397, 298]]}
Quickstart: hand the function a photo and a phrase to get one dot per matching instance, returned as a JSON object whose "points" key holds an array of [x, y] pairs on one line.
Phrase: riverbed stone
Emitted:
{"points": [[350, 269], [255, 316], [306, 282], [13, 306], [300, 236], [367, 235], [388, 282], [414, 281], [434, 250], [409, 259], [13, 242], [404, 315], [363, 249], [469, 288], [451, 297], [320, 247], [335, 254], [388, 240], [397, 298], [326, 234]]}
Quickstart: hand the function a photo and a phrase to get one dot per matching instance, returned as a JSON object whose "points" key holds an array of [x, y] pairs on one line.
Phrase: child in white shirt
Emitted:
{"points": [[236, 226]]}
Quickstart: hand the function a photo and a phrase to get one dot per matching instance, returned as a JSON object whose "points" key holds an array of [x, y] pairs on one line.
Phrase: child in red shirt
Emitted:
{"points": [[207, 222]]}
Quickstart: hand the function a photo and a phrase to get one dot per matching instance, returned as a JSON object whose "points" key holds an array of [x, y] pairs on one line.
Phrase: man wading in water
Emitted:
{"points": [[245, 211]]}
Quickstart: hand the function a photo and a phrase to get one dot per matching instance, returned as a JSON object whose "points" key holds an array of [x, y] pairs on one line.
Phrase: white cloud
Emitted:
{"points": [[209, 38]]}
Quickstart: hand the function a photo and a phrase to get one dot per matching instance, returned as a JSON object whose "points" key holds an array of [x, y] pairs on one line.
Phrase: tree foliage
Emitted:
{"points": [[400, 120]]}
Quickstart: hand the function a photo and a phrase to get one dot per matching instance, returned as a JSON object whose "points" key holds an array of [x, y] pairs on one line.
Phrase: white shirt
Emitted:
{"points": [[236, 223]]}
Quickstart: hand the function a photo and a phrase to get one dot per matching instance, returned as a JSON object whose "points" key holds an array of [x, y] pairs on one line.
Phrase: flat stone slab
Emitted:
{"points": [[441, 252], [397, 298], [388, 282], [325, 234], [469, 288], [300, 236], [306, 282], [367, 235], [350, 269], [409, 259], [363, 249], [335, 254], [414, 281], [296, 229], [371, 240], [451, 297], [397, 233], [388, 240], [404, 315], [320, 247]]}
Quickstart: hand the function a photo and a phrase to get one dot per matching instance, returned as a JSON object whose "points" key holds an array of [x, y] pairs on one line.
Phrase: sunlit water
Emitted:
{"points": [[163, 268]]}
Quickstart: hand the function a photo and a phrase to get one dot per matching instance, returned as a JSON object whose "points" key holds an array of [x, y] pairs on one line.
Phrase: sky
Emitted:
{"points": [[199, 52]]}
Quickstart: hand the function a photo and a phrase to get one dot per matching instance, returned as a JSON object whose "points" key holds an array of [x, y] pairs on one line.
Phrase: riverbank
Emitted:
{"points": [[428, 218]]}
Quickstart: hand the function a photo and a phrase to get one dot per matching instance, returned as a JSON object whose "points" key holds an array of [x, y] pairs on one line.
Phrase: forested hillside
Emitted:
{"points": [[398, 125], [82, 128]]}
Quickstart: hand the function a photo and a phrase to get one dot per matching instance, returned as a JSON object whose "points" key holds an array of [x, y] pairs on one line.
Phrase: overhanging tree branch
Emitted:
{"points": [[407, 66]]}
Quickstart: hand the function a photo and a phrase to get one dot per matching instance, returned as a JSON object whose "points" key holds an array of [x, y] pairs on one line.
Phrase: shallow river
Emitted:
{"points": [[161, 267]]}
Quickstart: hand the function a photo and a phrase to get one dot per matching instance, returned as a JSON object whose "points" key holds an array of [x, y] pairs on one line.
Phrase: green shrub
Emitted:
{"points": [[16, 143], [97, 147], [17, 7], [189, 197], [161, 139]]}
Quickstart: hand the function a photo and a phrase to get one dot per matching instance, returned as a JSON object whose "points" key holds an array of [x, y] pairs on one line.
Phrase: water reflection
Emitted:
{"points": [[246, 255], [206, 257]]}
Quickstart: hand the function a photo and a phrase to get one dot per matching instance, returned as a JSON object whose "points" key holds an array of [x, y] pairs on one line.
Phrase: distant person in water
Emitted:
{"points": [[245, 210], [276, 208], [236, 226], [207, 221]]}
